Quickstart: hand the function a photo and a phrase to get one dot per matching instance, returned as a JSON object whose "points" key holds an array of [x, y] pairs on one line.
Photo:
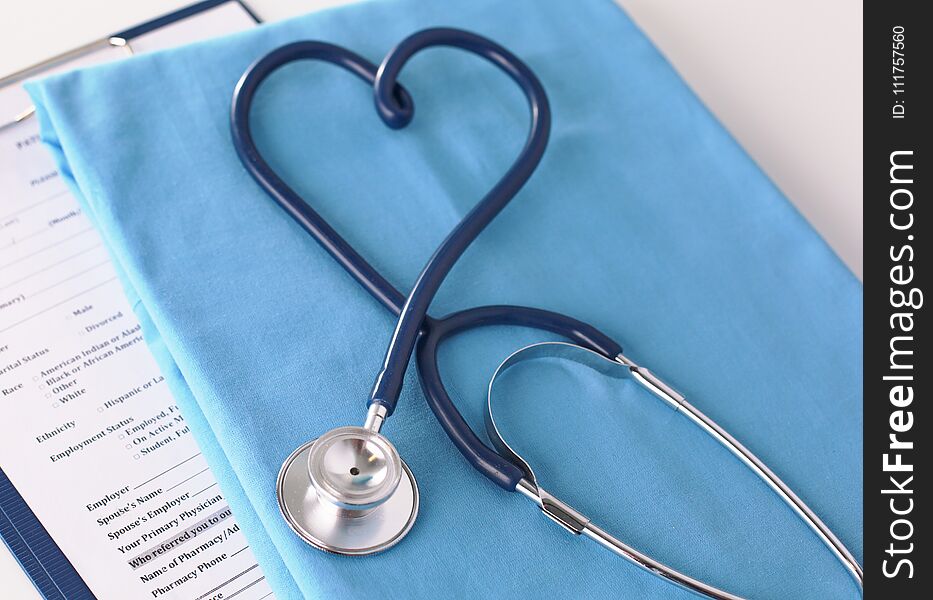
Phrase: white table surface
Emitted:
{"points": [[784, 77]]}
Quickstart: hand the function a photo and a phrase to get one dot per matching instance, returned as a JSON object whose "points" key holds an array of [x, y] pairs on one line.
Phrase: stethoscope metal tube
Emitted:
{"points": [[577, 523], [774, 482], [348, 491], [678, 402]]}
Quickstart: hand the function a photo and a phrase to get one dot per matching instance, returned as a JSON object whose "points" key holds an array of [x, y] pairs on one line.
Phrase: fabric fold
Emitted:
{"points": [[644, 218]]}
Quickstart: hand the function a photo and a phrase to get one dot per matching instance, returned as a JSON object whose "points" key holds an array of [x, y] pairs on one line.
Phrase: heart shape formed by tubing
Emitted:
{"points": [[327, 470], [396, 108]]}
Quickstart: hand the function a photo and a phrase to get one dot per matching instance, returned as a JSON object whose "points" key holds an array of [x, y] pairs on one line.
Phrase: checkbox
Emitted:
{"points": [[128, 446], [48, 395], [41, 386], [55, 405], [35, 378], [135, 457], [121, 436], [100, 409]]}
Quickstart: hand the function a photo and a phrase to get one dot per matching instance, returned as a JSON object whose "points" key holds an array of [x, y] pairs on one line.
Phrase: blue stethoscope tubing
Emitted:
{"points": [[396, 108], [416, 329]]}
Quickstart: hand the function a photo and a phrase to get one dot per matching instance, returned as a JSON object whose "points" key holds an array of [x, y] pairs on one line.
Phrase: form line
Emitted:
{"points": [[204, 490], [33, 205], [243, 589], [49, 247], [166, 471], [187, 480], [56, 305], [67, 279], [51, 266], [18, 240], [240, 574]]}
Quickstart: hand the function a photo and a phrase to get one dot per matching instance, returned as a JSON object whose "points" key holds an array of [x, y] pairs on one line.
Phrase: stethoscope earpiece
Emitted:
{"points": [[348, 491]]}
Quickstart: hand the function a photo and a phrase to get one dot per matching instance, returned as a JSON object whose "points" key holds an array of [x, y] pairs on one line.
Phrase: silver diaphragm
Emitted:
{"points": [[348, 492]]}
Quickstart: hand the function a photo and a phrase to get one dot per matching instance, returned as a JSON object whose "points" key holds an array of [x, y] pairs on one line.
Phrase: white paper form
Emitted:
{"points": [[89, 433]]}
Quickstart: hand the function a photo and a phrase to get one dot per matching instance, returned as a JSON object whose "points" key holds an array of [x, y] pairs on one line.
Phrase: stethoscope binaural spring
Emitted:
{"points": [[348, 491]]}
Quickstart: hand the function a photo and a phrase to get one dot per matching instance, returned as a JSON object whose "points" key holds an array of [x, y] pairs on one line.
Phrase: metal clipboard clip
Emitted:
{"points": [[29, 111]]}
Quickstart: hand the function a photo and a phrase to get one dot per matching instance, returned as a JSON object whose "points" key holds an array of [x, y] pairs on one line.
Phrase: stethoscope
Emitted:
{"points": [[348, 491]]}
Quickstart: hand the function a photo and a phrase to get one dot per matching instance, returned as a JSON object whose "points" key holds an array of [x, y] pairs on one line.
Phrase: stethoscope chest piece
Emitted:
{"points": [[348, 492]]}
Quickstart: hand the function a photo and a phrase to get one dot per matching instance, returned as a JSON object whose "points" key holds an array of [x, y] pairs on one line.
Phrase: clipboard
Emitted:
{"points": [[40, 557], [122, 40]]}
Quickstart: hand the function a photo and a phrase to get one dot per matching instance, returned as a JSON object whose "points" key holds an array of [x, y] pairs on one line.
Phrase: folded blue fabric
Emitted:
{"points": [[645, 218]]}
